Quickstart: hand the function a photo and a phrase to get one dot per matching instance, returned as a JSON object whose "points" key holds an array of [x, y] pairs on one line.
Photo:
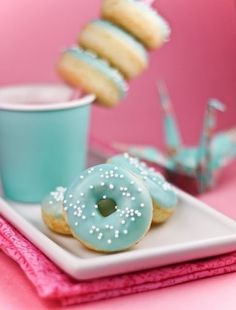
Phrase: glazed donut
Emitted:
{"points": [[163, 194], [52, 212], [115, 45], [139, 19], [108, 209], [83, 69]]}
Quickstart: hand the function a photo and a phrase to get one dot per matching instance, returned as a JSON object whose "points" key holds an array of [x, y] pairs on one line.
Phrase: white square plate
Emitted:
{"points": [[194, 231]]}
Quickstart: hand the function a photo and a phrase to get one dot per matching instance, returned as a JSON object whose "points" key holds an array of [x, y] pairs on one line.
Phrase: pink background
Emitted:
{"points": [[198, 63]]}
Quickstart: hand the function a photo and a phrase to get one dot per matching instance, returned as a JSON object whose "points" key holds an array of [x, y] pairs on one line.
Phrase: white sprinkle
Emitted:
{"points": [[132, 182], [109, 241], [93, 214], [132, 219], [71, 205], [91, 187], [76, 223], [111, 186], [107, 177], [83, 206], [50, 202], [133, 198], [65, 208], [128, 194], [96, 206], [142, 205], [116, 175], [125, 231], [121, 188], [102, 176], [104, 197], [93, 227], [116, 168], [102, 183], [91, 232], [122, 176], [100, 169], [107, 226], [83, 217], [81, 177], [97, 229], [89, 171], [81, 194], [65, 201], [123, 222], [140, 190], [111, 227], [78, 201]]}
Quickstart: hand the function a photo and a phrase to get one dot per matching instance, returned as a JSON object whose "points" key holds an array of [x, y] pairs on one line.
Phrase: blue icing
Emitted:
{"points": [[124, 35], [53, 203], [102, 66], [160, 190], [149, 10], [119, 230]]}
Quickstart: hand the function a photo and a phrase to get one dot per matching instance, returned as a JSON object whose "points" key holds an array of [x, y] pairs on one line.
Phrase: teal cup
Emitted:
{"points": [[43, 139]]}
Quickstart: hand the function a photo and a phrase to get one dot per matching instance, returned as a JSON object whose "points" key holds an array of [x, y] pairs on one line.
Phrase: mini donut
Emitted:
{"points": [[83, 69], [52, 212], [163, 194], [115, 45], [139, 19], [108, 209]]}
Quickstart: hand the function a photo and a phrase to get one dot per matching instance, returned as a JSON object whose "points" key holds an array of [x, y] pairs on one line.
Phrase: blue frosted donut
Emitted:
{"points": [[163, 194], [108, 209], [52, 211], [85, 70]]}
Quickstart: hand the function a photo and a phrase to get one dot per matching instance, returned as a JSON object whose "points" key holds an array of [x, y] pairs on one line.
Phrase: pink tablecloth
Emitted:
{"points": [[52, 283]]}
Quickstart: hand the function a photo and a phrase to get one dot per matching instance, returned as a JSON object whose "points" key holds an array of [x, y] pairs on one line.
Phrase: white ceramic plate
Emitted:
{"points": [[194, 231]]}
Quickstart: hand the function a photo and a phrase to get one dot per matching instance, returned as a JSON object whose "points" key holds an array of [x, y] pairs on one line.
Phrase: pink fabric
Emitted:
{"points": [[51, 283]]}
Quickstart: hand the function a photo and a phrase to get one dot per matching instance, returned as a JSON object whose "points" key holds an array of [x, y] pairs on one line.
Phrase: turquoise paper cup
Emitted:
{"points": [[43, 139]]}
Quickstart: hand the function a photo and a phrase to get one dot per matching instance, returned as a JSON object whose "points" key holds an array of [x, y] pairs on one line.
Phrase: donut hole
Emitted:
{"points": [[106, 207]]}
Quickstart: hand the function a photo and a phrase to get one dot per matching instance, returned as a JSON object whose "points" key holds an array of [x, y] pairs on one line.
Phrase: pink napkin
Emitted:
{"points": [[52, 283]]}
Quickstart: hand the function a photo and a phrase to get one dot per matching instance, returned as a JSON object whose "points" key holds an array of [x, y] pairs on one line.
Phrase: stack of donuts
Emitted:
{"points": [[113, 49], [110, 207]]}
